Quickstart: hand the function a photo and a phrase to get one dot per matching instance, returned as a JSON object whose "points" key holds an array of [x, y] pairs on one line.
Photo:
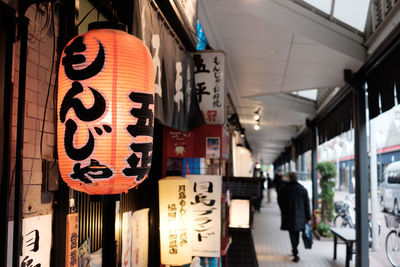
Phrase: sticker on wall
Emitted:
{"points": [[212, 147]]}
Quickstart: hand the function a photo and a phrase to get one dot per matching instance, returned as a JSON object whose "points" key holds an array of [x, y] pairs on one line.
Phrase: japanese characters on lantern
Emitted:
{"points": [[210, 85], [205, 206], [175, 222], [105, 112]]}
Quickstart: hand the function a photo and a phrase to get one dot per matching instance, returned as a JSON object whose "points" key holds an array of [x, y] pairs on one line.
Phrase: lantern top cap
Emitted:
{"points": [[107, 25]]}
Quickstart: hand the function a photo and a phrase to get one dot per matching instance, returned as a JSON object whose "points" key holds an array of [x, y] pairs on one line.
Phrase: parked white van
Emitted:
{"points": [[390, 188]]}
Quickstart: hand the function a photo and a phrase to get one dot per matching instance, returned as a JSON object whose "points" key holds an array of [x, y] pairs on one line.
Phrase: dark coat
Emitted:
{"points": [[295, 207], [278, 182]]}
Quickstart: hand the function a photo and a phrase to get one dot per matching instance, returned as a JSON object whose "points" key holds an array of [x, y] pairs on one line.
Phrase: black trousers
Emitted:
{"points": [[294, 239]]}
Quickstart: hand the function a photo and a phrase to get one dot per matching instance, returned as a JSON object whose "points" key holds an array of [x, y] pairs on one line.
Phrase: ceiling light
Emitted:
{"points": [[256, 117], [273, 51], [256, 127]]}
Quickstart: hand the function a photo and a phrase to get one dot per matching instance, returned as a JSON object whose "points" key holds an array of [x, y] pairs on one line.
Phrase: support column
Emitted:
{"points": [[314, 172], [361, 176], [109, 243]]}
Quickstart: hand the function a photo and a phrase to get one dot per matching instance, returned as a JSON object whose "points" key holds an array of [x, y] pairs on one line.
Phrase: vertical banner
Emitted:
{"points": [[140, 238], [205, 207], [36, 233], [209, 77], [126, 239], [175, 223], [72, 240], [175, 98]]}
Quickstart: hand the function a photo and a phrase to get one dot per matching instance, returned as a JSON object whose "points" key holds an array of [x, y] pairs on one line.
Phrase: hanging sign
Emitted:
{"points": [[205, 207], [126, 239], [105, 112], [72, 240], [209, 77], [175, 222], [36, 242], [140, 238]]}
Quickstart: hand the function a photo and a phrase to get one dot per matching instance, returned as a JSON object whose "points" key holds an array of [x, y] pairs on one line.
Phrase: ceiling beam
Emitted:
{"points": [[300, 20], [287, 101]]}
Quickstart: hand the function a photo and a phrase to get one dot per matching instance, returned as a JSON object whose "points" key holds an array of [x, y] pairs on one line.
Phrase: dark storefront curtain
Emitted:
{"points": [[381, 84], [303, 142], [337, 121], [176, 102]]}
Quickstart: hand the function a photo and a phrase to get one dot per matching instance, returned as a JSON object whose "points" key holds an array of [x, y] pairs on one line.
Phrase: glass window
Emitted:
{"points": [[323, 5], [309, 94], [353, 13]]}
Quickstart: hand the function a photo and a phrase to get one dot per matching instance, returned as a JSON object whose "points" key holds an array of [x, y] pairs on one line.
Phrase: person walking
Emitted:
{"points": [[270, 186], [278, 183], [295, 211]]}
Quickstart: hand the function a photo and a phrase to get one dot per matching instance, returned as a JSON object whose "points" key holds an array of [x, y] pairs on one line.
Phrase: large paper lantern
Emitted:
{"points": [[175, 221], [105, 112]]}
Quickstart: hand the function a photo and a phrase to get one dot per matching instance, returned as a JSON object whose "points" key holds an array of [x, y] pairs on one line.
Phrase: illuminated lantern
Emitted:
{"points": [[175, 224], [239, 213], [105, 112]]}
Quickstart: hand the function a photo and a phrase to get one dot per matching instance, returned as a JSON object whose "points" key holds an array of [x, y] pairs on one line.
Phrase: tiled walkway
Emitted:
{"points": [[273, 245]]}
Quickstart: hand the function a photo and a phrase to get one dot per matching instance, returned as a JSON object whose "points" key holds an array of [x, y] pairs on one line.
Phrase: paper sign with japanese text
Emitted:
{"points": [[209, 77], [36, 244], [72, 240], [140, 238], [126, 239], [205, 207]]}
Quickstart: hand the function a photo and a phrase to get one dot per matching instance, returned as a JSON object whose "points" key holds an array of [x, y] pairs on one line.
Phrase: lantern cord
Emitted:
{"points": [[49, 87], [87, 14]]}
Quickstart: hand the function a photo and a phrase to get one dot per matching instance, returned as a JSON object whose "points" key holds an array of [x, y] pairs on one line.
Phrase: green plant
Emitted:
{"points": [[323, 229], [327, 183]]}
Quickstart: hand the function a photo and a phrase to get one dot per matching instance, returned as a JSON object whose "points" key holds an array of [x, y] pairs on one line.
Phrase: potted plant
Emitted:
{"points": [[327, 171]]}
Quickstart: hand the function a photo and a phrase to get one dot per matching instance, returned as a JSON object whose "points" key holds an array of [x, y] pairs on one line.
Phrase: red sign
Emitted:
{"points": [[193, 144], [179, 144]]}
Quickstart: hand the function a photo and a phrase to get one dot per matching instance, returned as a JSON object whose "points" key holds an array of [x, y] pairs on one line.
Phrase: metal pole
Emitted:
{"points": [[314, 173], [17, 238], [360, 171], [374, 187], [8, 19], [337, 163], [108, 231]]}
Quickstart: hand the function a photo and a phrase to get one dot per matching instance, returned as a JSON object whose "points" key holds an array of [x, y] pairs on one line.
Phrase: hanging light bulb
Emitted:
{"points": [[256, 127], [256, 117]]}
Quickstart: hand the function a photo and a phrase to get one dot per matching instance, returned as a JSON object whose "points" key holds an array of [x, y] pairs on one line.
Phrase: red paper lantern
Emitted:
{"points": [[105, 112]]}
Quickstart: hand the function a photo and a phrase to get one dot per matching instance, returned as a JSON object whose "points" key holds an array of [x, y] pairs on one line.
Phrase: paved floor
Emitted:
{"points": [[273, 245]]}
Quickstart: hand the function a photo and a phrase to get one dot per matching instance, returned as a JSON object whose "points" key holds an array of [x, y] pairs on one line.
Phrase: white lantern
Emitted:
{"points": [[175, 221], [239, 213]]}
